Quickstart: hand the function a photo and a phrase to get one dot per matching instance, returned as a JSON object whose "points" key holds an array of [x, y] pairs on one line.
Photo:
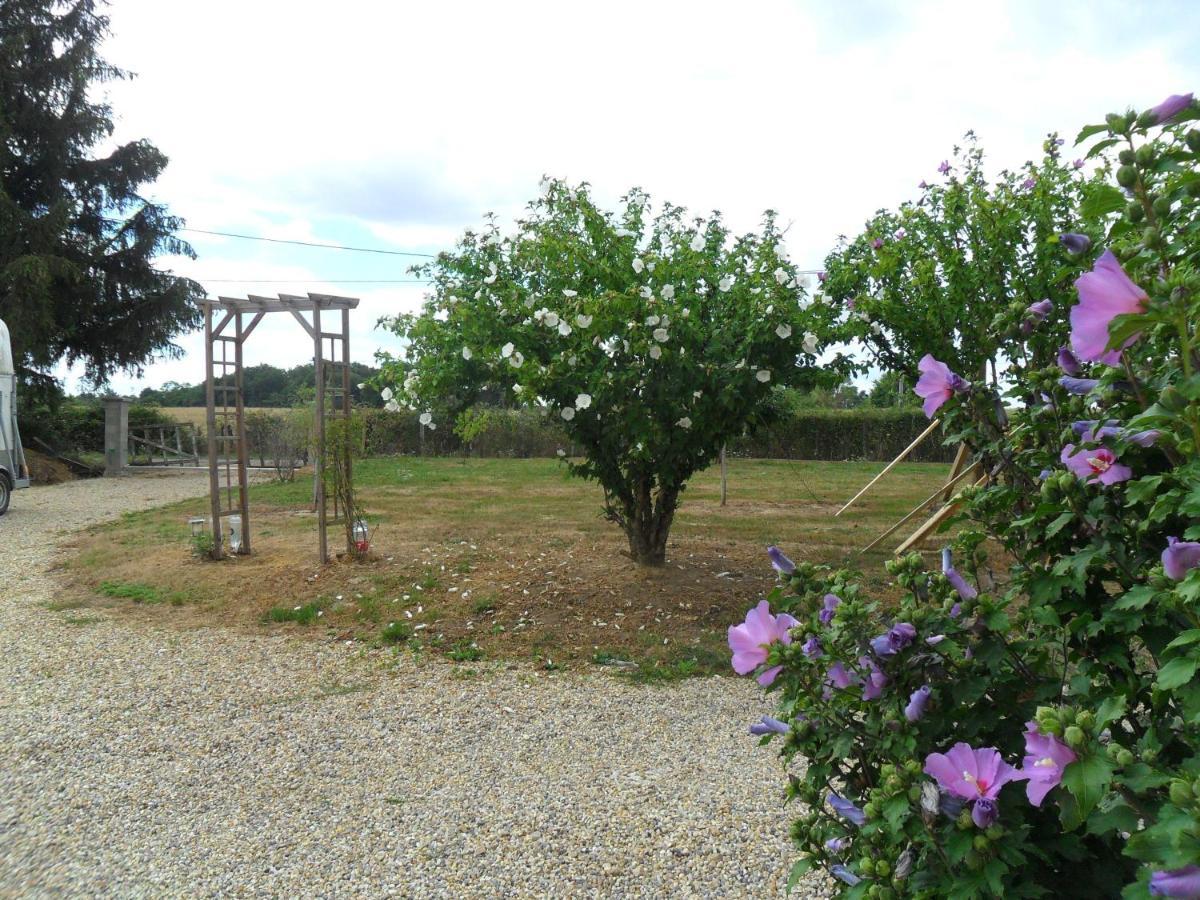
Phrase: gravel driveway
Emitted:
{"points": [[145, 761]]}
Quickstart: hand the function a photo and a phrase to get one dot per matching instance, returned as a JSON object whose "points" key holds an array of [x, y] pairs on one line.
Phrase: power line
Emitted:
{"points": [[254, 237]]}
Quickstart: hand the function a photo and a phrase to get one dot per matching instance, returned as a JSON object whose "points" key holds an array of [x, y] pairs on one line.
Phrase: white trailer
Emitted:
{"points": [[13, 471]]}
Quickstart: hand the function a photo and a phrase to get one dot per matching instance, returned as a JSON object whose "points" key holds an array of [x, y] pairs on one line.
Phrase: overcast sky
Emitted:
{"points": [[396, 125]]}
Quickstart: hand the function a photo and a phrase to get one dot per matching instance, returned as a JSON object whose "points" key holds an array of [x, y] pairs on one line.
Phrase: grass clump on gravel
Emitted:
{"points": [[140, 593], [305, 614], [396, 633]]}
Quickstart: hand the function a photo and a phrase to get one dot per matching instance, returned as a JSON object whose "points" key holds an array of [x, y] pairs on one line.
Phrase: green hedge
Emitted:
{"points": [[77, 425], [834, 434]]}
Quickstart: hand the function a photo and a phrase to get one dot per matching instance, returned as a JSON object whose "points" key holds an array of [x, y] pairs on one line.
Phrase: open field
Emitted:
{"points": [[198, 415], [503, 559]]}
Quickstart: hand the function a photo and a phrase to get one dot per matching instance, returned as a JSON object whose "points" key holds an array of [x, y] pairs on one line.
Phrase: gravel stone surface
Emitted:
{"points": [[140, 761]]}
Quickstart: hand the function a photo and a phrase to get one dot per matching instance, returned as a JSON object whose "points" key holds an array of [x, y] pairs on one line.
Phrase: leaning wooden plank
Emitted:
{"points": [[903, 453], [933, 522], [921, 506]]}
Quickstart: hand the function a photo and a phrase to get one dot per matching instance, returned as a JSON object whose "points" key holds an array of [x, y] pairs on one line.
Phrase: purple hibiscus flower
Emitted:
{"points": [[751, 640], [1045, 758], [1171, 107], [769, 725], [1099, 465], [960, 584], [974, 775], [1035, 314], [779, 562], [1180, 557], [839, 677], [837, 844], [844, 875], [1146, 438], [821, 276], [1104, 293], [1079, 386], [894, 640], [1078, 164], [1091, 429], [1076, 244], [917, 703], [1183, 883], [937, 384], [923, 185], [812, 647], [1067, 361], [828, 606], [1029, 183], [847, 810], [877, 243], [944, 168], [875, 681]]}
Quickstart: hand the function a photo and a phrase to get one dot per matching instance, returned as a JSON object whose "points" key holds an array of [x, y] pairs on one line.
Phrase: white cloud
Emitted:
{"points": [[408, 121]]}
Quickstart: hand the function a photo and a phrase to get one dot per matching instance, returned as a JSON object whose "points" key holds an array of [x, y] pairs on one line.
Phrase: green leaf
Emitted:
{"points": [[799, 867], [1118, 816], [1100, 146], [1177, 672], [1087, 131], [1136, 598], [1057, 525], [1188, 637], [1100, 200], [1088, 779], [1110, 709]]}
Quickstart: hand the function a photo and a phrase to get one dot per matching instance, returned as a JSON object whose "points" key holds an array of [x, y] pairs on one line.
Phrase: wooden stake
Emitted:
{"points": [[932, 522], [907, 450], [924, 503], [724, 477], [960, 460]]}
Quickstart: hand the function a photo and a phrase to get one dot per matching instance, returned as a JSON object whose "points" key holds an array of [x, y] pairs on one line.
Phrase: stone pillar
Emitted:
{"points": [[116, 435]]}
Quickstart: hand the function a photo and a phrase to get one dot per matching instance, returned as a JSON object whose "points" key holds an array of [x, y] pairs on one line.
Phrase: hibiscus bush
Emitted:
{"points": [[651, 337], [1025, 720]]}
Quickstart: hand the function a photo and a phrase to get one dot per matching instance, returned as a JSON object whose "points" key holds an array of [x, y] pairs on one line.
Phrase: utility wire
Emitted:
{"points": [[313, 280], [253, 237]]}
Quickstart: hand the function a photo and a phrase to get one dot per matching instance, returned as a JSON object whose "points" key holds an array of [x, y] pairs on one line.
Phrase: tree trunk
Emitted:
{"points": [[647, 518]]}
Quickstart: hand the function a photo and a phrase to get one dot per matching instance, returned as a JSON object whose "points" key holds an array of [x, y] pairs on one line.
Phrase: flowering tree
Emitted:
{"points": [[949, 273], [1027, 723], [654, 339]]}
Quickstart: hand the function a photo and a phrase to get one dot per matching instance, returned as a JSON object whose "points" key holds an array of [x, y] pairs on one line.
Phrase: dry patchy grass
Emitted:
{"points": [[501, 559]]}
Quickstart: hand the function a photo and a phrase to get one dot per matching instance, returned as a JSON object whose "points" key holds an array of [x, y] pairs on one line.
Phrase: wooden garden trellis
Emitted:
{"points": [[227, 451]]}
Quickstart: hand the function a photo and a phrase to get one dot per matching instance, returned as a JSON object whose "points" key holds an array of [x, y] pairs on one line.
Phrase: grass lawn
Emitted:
{"points": [[487, 559]]}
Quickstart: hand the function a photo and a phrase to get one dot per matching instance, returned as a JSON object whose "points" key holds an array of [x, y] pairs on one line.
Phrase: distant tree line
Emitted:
{"points": [[267, 385]]}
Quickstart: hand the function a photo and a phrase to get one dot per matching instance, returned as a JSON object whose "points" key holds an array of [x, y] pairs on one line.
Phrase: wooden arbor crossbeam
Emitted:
{"points": [[234, 310]]}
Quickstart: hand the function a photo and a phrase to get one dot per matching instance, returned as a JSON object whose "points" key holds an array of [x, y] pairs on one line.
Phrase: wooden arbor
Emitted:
{"points": [[228, 455]]}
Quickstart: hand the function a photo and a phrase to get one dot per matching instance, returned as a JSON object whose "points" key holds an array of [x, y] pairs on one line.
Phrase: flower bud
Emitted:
{"points": [[1150, 755], [1172, 400], [1127, 157], [1150, 237], [964, 820], [1162, 207], [1074, 736], [866, 865], [883, 868], [1145, 154], [1181, 793], [1193, 140], [980, 842], [1127, 176], [1124, 758], [1147, 119], [994, 832], [1134, 212], [1115, 123], [1085, 720]]}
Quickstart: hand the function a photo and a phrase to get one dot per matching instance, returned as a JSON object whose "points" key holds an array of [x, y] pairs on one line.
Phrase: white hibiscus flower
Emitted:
{"points": [[686, 312], [638, 265], [361, 386], [685, 422], [466, 353], [550, 319], [651, 321], [784, 331], [386, 393], [770, 308], [561, 452], [583, 321], [583, 401], [517, 389], [507, 350], [516, 359], [877, 328], [491, 279], [697, 394], [567, 292], [646, 291], [725, 283], [810, 343], [763, 375], [563, 328], [426, 418], [568, 413], [392, 406], [698, 242], [656, 352], [668, 292], [781, 275], [661, 335]]}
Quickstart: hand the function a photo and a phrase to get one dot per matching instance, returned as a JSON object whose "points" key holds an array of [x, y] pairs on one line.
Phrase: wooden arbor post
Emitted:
{"points": [[227, 420]]}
